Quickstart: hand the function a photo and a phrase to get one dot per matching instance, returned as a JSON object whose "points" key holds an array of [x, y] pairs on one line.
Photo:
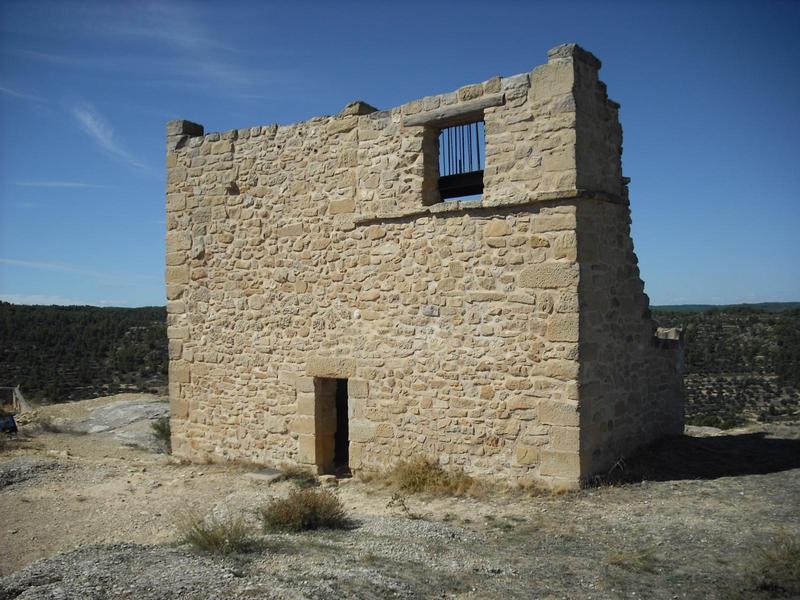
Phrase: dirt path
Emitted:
{"points": [[108, 507]]}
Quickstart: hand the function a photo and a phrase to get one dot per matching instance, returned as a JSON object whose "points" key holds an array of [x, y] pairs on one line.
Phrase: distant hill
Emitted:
{"points": [[764, 306], [742, 361], [58, 353]]}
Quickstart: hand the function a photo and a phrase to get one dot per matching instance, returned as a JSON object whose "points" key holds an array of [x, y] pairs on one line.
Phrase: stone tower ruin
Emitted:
{"points": [[452, 278]]}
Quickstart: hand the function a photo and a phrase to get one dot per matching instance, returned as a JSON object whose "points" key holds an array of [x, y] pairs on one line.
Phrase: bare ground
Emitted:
{"points": [[103, 516]]}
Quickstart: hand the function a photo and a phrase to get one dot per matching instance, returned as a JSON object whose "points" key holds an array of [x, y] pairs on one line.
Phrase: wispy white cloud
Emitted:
{"points": [[17, 94], [97, 128], [180, 44], [173, 24], [61, 59], [58, 184]]}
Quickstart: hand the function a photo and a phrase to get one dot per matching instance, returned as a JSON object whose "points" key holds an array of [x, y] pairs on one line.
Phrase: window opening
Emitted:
{"points": [[461, 159]]}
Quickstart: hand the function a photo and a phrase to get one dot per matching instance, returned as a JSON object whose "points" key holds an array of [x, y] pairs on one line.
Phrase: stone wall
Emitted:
{"points": [[631, 380], [466, 330]]}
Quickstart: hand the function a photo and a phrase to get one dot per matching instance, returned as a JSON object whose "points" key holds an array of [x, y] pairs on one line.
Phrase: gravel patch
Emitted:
{"points": [[91, 518], [25, 468], [144, 572]]}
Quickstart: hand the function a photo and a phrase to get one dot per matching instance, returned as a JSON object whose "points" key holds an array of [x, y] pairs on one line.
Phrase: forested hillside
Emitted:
{"points": [[742, 363], [58, 353]]}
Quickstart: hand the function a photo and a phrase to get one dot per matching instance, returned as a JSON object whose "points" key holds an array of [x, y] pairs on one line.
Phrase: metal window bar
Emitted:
{"points": [[461, 159]]}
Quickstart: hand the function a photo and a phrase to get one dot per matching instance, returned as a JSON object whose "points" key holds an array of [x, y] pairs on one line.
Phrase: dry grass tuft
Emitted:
{"points": [[538, 489], [48, 425], [774, 571], [215, 535], [305, 509], [422, 474], [637, 561], [300, 476]]}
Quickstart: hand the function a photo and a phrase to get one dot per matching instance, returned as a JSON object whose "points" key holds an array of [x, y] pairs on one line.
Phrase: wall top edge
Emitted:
{"points": [[413, 110]]}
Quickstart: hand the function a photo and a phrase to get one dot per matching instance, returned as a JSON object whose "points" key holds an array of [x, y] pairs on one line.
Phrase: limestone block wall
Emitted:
{"points": [[631, 380], [303, 254]]}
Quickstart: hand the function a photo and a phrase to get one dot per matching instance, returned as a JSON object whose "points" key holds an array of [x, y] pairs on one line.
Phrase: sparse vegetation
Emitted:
{"points": [[421, 474], [399, 502], [161, 430], [215, 535], [773, 573], [304, 509], [47, 425], [637, 561], [299, 476]]}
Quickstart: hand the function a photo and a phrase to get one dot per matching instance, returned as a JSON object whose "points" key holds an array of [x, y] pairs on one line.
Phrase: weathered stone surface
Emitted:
{"points": [[339, 207], [357, 107], [504, 335], [179, 373], [178, 407], [362, 431], [526, 455], [304, 384], [340, 368], [563, 328], [292, 230], [357, 388], [497, 227], [554, 412], [177, 274], [467, 109], [306, 404], [560, 464], [549, 275]]}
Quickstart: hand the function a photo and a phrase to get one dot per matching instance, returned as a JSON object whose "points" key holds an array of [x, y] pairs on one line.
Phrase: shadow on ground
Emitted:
{"points": [[686, 457]]}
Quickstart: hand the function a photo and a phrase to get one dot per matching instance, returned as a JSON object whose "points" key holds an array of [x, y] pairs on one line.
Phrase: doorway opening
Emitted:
{"points": [[341, 445], [331, 426]]}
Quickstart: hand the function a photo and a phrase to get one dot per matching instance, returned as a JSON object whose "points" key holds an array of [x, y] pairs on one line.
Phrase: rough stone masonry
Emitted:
{"points": [[327, 308]]}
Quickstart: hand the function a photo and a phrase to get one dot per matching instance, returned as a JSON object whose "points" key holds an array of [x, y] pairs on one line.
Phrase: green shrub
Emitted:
{"points": [[218, 536], [161, 429], [718, 421], [422, 474], [304, 509]]}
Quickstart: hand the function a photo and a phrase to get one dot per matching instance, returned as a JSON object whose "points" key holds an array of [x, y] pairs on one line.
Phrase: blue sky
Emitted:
{"points": [[710, 95]]}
